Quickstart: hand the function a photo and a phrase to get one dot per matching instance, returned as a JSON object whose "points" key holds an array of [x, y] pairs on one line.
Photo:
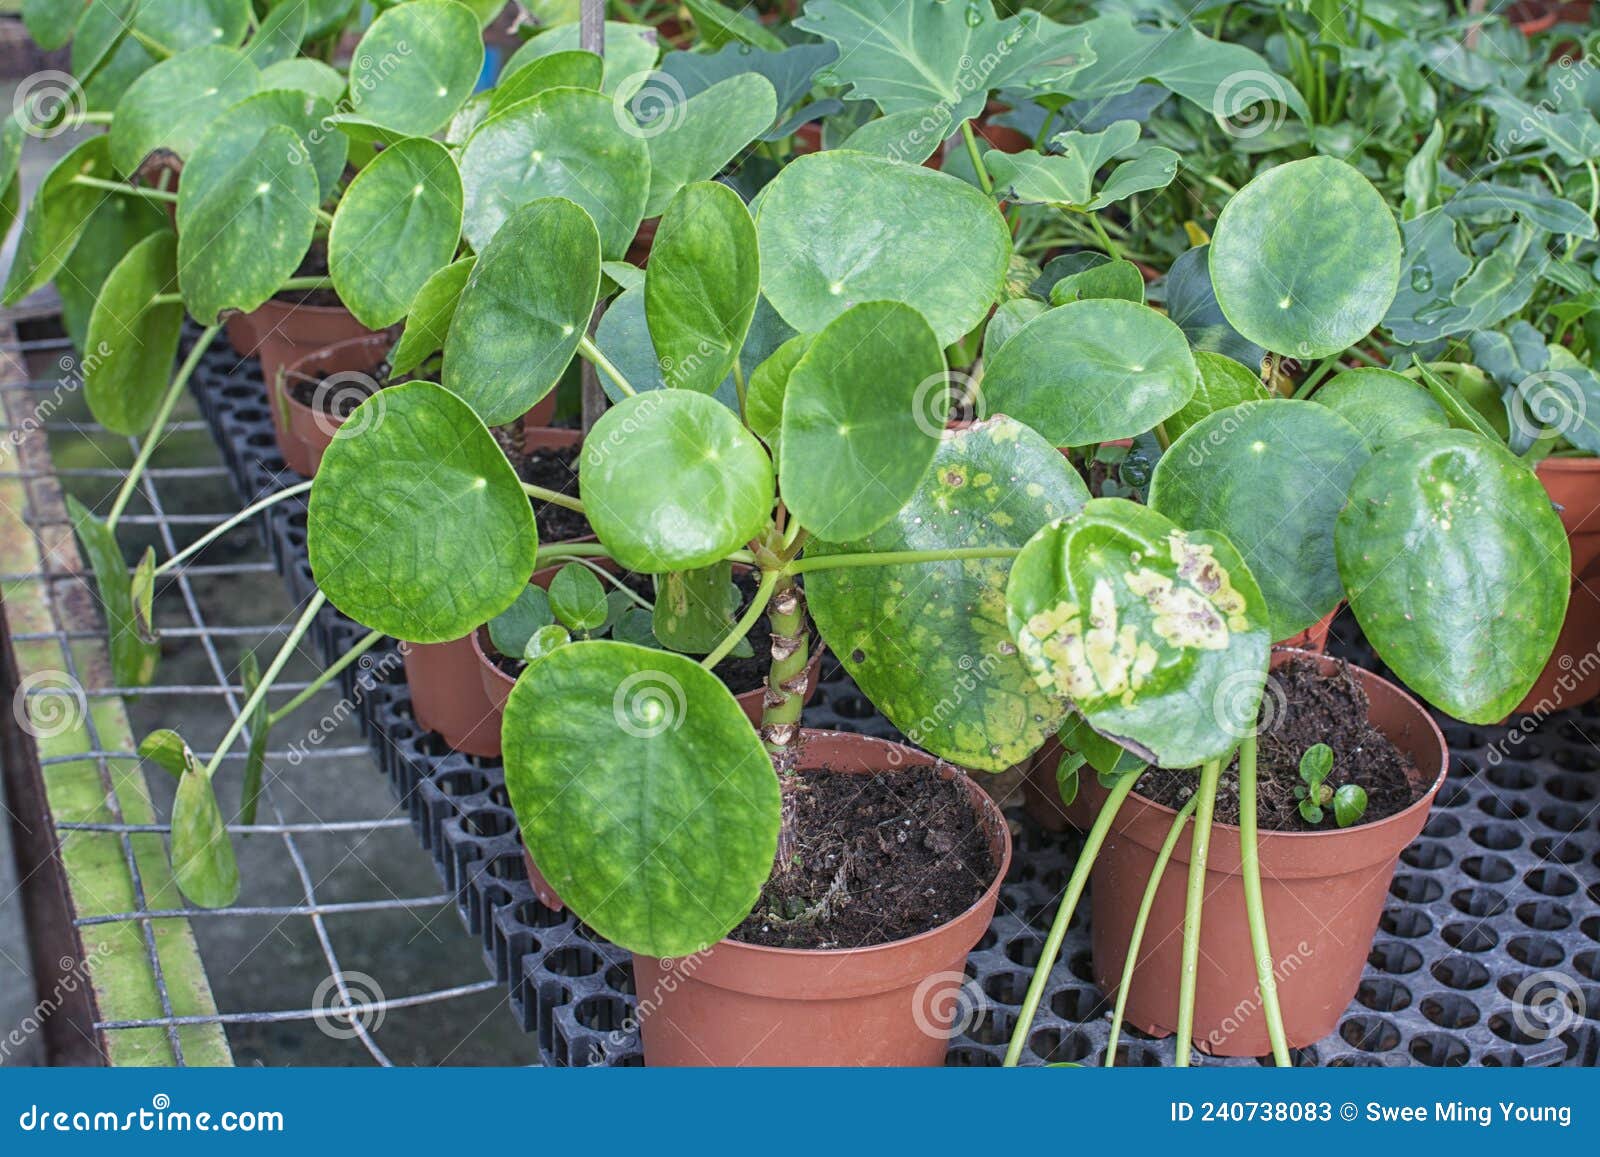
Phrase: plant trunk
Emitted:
{"points": [[787, 684]]}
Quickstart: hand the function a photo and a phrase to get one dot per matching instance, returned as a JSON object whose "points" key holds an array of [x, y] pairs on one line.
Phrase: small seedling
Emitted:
{"points": [[1349, 801]]}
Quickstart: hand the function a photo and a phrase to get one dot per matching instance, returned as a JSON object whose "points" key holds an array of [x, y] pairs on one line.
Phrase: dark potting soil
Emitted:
{"points": [[315, 264], [349, 391], [881, 857], [1314, 708], [555, 469]]}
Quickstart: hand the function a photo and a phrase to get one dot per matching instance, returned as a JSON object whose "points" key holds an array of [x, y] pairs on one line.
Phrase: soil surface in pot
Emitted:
{"points": [[881, 857], [739, 675], [315, 264], [557, 470], [349, 391], [1315, 708]]}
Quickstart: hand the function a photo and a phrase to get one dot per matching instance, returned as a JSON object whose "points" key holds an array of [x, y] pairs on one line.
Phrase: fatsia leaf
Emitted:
{"points": [[412, 484], [415, 65], [134, 339], [928, 642], [1431, 266], [1156, 634], [397, 224], [650, 758], [1457, 570], [524, 308], [701, 286], [1066, 177], [1541, 210], [1574, 137]]}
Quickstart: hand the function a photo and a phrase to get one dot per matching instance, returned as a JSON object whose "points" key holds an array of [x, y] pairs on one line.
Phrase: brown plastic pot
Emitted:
{"points": [[1574, 486], [283, 332], [536, 435], [1323, 893], [892, 1004], [1572, 675], [447, 696]]}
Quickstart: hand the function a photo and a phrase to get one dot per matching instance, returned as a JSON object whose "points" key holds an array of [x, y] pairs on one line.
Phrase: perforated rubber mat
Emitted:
{"points": [[1497, 902]]}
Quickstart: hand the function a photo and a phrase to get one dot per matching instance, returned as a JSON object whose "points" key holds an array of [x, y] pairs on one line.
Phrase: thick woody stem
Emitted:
{"points": [[786, 693]]}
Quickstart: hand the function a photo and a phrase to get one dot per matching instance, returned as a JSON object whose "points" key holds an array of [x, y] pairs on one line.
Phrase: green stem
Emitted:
{"points": [[898, 558], [1069, 903], [1194, 899], [328, 673], [152, 438], [606, 576], [769, 580], [553, 497], [738, 387], [1255, 910], [1314, 379], [219, 530], [167, 299], [306, 283], [984, 181], [1141, 919], [780, 716], [553, 552], [273, 669], [94, 118], [589, 350], [1104, 237], [125, 189]]}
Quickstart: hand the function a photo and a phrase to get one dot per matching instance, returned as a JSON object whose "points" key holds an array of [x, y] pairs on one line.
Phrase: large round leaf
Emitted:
{"points": [[428, 319], [1157, 635], [928, 642], [1092, 371], [171, 106], [57, 218], [397, 224], [838, 228], [1306, 258], [671, 480], [302, 74], [575, 69], [415, 66], [1385, 406], [248, 235], [643, 794], [523, 309], [863, 414], [691, 140], [116, 226], [1272, 476], [701, 286], [630, 50], [418, 526], [133, 339], [1223, 383], [1457, 569], [565, 142], [234, 134]]}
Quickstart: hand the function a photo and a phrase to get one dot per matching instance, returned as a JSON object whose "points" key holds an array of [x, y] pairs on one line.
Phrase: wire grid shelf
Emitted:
{"points": [[180, 1007]]}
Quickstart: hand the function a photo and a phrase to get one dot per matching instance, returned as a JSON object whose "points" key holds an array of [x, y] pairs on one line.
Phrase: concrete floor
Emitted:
{"points": [[271, 963]]}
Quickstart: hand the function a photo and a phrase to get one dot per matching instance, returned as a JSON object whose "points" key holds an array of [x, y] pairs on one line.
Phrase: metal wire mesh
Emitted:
{"points": [[349, 1007]]}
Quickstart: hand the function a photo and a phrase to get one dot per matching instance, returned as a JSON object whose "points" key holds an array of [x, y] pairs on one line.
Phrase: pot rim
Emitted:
{"points": [[989, 813], [1579, 465], [273, 302], [1423, 802], [281, 385]]}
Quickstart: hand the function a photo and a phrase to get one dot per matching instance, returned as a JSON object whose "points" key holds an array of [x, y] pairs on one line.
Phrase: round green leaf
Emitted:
{"points": [[511, 629], [116, 226], [415, 66], [133, 340], [630, 50], [863, 416], [397, 224], [1223, 383], [643, 794], [701, 286], [575, 69], [671, 480], [239, 131], [279, 35], [691, 140], [428, 319], [928, 642], [1385, 406], [838, 228], [523, 309], [1272, 476], [202, 855], [565, 142], [1157, 635], [57, 218], [302, 74], [577, 599], [171, 106], [1305, 259], [1092, 371], [249, 234], [418, 526], [763, 403], [1457, 570]]}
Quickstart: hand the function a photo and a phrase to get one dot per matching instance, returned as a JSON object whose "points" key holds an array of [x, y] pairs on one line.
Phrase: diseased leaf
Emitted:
{"points": [[171, 106], [695, 608]]}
